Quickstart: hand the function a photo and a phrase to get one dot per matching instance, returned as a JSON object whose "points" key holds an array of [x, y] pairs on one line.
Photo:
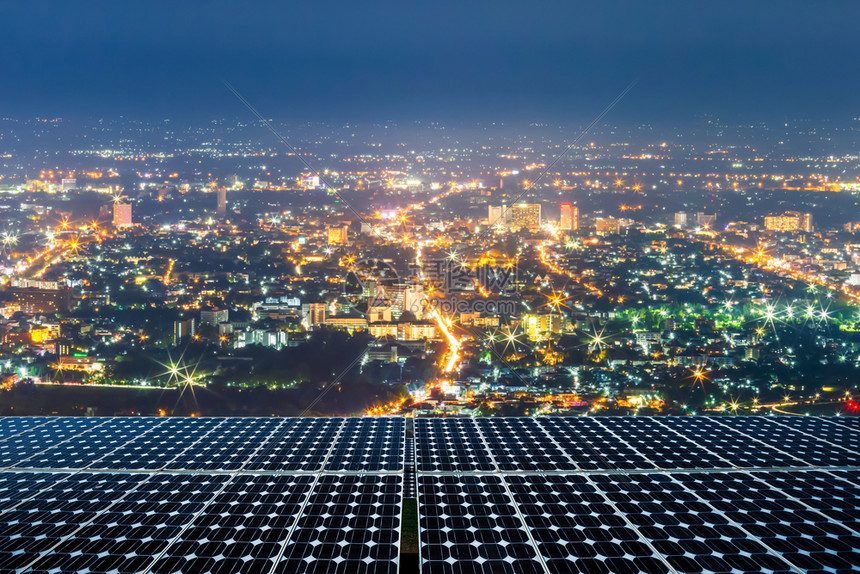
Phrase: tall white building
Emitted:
{"points": [[222, 202]]}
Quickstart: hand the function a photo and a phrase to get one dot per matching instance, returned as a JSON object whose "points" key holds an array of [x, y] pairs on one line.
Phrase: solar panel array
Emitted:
{"points": [[544, 495]]}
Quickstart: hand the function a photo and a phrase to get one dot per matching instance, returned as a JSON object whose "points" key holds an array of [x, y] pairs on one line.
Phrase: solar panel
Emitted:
{"points": [[247, 495], [450, 445], [369, 445], [851, 422], [37, 524], [577, 530], [10, 426], [660, 445], [470, 524], [805, 447], [16, 487], [729, 445], [806, 538], [522, 445], [158, 446], [31, 442], [838, 435], [86, 448], [228, 448], [129, 534], [351, 523], [835, 497], [691, 535], [591, 445], [242, 530], [298, 445]]}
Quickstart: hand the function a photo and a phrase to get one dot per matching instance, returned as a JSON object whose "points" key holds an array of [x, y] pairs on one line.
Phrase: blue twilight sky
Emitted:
{"points": [[400, 59]]}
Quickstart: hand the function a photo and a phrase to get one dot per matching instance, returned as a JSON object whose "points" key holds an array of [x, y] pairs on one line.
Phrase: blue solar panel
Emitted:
{"points": [[729, 445], [22, 446], [160, 445], [592, 446], [450, 445], [10, 426], [298, 445], [36, 525], [806, 447], [522, 445], [576, 529], [471, 524], [634, 494], [369, 445], [797, 533], [349, 524], [242, 530], [691, 535], [88, 447]]}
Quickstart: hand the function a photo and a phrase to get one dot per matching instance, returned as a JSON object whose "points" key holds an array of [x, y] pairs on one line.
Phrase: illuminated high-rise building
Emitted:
{"points": [[525, 215], [569, 220], [122, 215], [338, 235], [183, 330], [498, 214], [789, 221], [222, 202], [681, 219]]}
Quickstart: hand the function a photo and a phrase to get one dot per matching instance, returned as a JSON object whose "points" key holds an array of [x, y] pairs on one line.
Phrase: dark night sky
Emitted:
{"points": [[372, 60]]}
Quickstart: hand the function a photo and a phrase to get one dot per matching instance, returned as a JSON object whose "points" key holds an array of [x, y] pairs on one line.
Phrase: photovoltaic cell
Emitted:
{"points": [[522, 445], [351, 524], [577, 530], [450, 445], [806, 538], [471, 524], [807, 448], [369, 445], [242, 530]]}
